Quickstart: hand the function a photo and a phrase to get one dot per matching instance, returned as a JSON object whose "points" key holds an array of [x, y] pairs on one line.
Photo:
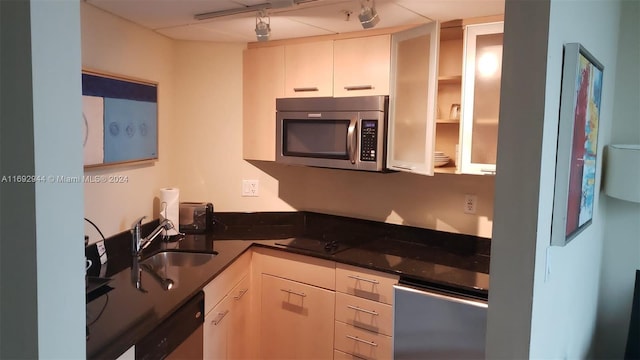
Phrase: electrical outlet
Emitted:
{"points": [[250, 188], [470, 204]]}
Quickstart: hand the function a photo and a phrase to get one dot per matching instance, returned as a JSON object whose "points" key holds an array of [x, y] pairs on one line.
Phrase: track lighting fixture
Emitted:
{"points": [[263, 26], [368, 15]]}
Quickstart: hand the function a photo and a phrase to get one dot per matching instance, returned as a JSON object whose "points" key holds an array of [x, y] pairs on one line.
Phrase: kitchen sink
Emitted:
{"points": [[177, 258]]}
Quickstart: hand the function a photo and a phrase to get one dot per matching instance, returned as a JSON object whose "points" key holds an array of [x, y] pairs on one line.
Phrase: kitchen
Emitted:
{"points": [[178, 64], [281, 188]]}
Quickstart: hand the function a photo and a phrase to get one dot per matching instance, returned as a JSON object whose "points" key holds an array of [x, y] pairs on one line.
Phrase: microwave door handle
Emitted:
{"points": [[352, 140]]}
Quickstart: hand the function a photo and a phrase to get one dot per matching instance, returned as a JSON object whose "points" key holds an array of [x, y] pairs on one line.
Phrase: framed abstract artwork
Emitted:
{"points": [[120, 119], [577, 150]]}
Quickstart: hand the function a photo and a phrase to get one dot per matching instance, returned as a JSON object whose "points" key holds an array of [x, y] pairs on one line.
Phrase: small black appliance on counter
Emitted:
{"points": [[196, 217]]}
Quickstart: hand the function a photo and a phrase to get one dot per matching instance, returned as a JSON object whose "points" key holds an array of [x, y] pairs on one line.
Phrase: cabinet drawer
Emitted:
{"points": [[362, 343], [300, 268], [365, 283], [217, 288], [339, 355], [367, 314]]}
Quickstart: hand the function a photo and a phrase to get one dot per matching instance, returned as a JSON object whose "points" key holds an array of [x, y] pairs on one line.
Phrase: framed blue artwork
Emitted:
{"points": [[120, 119]]}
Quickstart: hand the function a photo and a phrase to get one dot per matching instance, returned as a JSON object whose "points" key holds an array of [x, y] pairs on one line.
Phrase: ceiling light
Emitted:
{"points": [[263, 28], [368, 14]]}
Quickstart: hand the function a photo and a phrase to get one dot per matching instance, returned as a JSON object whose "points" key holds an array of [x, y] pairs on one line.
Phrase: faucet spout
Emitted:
{"points": [[138, 242]]}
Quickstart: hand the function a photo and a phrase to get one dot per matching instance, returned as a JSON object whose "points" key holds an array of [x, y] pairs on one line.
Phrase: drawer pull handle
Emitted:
{"points": [[294, 292], [371, 343], [356, 277], [358, 87], [240, 294], [362, 310], [219, 318], [305, 89]]}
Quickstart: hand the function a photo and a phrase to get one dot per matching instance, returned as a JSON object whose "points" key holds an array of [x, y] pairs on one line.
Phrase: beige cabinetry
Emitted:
{"points": [[263, 82], [362, 66], [228, 313], [364, 313], [296, 302], [309, 69]]}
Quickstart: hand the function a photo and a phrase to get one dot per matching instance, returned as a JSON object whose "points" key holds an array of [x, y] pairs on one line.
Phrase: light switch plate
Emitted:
{"points": [[250, 188]]}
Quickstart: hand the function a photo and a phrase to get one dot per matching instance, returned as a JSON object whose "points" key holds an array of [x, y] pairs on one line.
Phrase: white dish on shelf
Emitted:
{"points": [[439, 163]]}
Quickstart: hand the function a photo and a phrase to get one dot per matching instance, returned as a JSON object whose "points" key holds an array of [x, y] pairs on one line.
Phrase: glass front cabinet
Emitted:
{"points": [[412, 99], [445, 98], [482, 69]]}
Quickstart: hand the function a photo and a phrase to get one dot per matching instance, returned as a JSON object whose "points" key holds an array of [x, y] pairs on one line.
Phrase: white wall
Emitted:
{"points": [[621, 248], [117, 46], [565, 304], [561, 303], [42, 257]]}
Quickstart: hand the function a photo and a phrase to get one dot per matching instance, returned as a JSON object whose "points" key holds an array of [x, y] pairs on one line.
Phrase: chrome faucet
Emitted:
{"points": [[138, 242]]}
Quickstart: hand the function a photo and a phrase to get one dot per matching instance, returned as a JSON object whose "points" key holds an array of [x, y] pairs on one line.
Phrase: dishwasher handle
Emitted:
{"points": [[442, 295]]}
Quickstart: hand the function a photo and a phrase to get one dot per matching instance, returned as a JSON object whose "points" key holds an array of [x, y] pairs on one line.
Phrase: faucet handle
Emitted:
{"points": [[138, 222]]}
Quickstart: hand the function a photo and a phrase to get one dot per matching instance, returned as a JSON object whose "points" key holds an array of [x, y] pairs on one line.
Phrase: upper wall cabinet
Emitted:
{"points": [[263, 82], [361, 66], [412, 109], [482, 71], [309, 69]]}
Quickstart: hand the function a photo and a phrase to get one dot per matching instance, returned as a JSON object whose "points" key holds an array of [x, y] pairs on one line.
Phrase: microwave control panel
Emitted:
{"points": [[368, 140]]}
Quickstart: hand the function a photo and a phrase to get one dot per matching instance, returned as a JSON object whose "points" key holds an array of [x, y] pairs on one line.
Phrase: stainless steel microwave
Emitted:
{"points": [[341, 133]]}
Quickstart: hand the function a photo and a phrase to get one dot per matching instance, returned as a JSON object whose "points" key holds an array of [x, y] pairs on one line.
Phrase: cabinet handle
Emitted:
{"points": [[361, 340], [305, 89], [358, 87], [370, 312], [240, 294], [404, 167], [294, 292], [219, 318], [363, 279], [488, 171]]}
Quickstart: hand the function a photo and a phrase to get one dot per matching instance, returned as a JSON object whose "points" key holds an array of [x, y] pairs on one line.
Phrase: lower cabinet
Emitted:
{"points": [[295, 298], [228, 312], [296, 320], [227, 324]]}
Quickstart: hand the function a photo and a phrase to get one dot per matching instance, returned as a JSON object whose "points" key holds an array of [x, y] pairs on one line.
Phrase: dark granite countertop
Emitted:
{"points": [[120, 315]]}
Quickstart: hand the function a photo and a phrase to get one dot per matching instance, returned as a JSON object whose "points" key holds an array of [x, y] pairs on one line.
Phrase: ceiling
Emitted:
{"points": [[175, 18]]}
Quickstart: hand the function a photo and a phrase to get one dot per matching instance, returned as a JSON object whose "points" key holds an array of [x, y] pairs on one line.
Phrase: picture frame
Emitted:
{"points": [[120, 119], [577, 147]]}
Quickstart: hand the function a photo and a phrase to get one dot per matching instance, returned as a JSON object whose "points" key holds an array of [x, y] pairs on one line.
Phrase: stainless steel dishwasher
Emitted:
{"points": [[433, 324], [178, 337]]}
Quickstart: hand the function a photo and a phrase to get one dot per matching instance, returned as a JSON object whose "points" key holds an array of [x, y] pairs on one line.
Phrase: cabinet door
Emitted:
{"points": [[216, 330], [481, 98], [412, 105], [296, 320], [362, 66], [263, 82], [238, 344], [309, 69]]}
